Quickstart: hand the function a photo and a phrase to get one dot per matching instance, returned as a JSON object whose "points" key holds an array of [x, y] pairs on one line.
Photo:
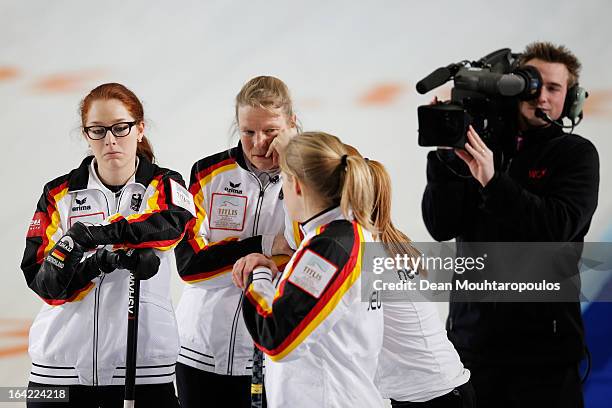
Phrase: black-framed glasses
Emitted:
{"points": [[120, 129]]}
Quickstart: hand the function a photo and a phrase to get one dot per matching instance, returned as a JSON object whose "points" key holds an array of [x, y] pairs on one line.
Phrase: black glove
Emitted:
{"points": [[143, 263], [62, 274], [64, 258], [105, 261], [81, 234]]}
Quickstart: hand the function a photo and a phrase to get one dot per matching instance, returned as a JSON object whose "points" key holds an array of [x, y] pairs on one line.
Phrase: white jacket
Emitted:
{"points": [[320, 339], [79, 336], [235, 213], [418, 363]]}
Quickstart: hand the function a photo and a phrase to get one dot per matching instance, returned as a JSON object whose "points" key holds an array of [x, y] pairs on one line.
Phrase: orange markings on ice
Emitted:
{"points": [[67, 82], [11, 329], [23, 332], [11, 351], [599, 103], [8, 73], [382, 94]]}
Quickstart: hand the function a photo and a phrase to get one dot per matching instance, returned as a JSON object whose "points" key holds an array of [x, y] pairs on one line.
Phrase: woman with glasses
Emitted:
{"points": [[116, 200]]}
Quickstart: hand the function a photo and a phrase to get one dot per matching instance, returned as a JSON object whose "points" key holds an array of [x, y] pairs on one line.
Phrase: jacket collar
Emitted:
{"points": [[322, 218], [79, 177], [539, 135], [238, 154]]}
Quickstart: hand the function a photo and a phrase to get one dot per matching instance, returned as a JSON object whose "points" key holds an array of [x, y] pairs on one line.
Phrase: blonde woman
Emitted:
{"points": [[321, 342], [239, 207]]}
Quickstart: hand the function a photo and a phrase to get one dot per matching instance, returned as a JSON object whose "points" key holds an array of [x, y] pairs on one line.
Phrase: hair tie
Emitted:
{"points": [[366, 159], [344, 160]]}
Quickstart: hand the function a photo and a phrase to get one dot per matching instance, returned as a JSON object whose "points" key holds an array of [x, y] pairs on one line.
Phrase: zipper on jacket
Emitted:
{"points": [[96, 333], [230, 356], [232, 345], [258, 211], [554, 326], [259, 205]]}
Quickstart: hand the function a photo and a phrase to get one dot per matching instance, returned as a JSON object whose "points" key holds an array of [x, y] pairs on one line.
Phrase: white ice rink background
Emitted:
{"points": [[351, 67]]}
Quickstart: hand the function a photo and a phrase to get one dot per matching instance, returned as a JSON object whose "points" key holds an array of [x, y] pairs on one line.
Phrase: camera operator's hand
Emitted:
{"points": [[478, 157], [142, 262]]}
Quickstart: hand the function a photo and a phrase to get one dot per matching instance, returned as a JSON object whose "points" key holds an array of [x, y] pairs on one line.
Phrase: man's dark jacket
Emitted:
{"points": [[547, 193]]}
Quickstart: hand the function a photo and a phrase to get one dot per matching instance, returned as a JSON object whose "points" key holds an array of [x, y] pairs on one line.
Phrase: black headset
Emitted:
{"points": [[574, 102]]}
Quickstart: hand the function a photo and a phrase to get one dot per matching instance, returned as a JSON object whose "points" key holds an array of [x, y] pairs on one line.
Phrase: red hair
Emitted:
{"points": [[131, 103]]}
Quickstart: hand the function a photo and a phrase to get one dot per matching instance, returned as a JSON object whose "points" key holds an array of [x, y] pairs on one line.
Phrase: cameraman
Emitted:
{"points": [[520, 354]]}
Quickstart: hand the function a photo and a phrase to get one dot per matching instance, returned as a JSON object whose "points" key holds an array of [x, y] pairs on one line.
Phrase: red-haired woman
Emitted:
{"points": [[117, 199]]}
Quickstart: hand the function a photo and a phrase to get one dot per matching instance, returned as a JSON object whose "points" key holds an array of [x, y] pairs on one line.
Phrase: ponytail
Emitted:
{"points": [[354, 196], [339, 175], [397, 242], [145, 149]]}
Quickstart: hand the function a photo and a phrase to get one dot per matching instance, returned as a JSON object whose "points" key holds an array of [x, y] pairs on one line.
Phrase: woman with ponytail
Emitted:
{"points": [[321, 341], [117, 200], [418, 365]]}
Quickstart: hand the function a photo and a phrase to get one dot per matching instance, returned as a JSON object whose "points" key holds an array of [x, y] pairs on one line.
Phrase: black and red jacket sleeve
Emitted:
{"points": [[161, 225], [198, 259], [310, 297], [44, 230]]}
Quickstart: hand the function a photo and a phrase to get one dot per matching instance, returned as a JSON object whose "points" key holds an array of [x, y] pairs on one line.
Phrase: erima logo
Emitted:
{"points": [[81, 205], [233, 188]]}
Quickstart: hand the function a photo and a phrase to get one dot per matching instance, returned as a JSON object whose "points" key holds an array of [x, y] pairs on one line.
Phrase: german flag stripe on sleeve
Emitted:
{"points": [[263, 308], [168, 224], [77, 296], [298, 236], [51, 221], [294, 313], [196, 240], [279, 260], [203, 177], [199, 180]]}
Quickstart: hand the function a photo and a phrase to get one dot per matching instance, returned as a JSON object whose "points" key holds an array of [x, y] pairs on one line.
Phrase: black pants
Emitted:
{"points": [[460, 397], [111, 396], [197, 388], [527, 386]]}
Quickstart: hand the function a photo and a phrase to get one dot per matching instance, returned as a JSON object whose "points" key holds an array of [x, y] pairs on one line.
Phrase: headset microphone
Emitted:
{"points": [[544, 116]]}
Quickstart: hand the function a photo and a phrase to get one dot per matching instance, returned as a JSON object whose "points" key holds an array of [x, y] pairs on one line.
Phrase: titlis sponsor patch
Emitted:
{"points": [[58, 255], [233, 188], [80, 204]]}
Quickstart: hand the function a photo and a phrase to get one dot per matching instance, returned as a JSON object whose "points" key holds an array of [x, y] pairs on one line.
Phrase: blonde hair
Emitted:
{"points": [[266, 92], [315, 158], [359, 185]]}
